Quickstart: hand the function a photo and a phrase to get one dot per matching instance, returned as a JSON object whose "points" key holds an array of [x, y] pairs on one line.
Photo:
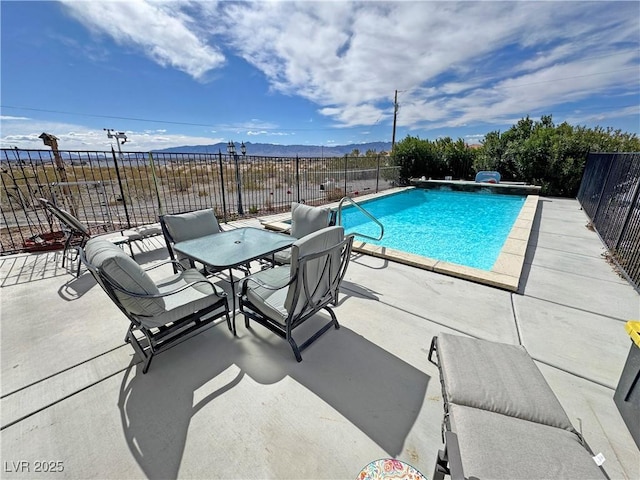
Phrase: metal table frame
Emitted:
{"points": [[232, 248]]}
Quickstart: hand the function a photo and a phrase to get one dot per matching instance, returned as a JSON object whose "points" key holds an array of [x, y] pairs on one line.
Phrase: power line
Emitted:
{"points": [[148, 120]]}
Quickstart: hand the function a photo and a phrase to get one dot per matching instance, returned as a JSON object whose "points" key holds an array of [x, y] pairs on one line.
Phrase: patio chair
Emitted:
{"points": [[74, 229], [284, 297], [163, 312], [305, 219], [183, 226]]}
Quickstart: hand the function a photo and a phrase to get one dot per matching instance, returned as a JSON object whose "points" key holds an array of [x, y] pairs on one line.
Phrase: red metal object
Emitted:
{"points": [[45, 242]]}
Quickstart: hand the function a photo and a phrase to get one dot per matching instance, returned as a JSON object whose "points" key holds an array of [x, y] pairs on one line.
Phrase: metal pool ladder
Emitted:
{"points": [[367, 214]]}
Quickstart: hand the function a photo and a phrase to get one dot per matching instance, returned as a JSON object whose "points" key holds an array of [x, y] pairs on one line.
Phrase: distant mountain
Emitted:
{"points": [[271, 150]]}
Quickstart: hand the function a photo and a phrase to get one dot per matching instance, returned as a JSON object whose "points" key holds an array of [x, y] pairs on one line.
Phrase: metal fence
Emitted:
{"points": [[111, 191], [609, 194]]}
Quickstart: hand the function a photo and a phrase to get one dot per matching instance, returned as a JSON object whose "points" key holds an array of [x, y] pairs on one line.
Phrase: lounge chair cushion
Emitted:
{"points": [[66, 217], [498, 377], [502, 447], [126, 273], [185, 226], [306, 219], [138, 233]]}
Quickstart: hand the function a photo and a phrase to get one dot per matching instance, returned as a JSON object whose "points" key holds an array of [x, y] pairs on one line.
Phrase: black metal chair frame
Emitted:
{"points": [[299, 278], [163, 337], [71, 227]]}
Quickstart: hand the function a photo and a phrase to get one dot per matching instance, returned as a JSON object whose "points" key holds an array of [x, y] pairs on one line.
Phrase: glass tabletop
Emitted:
{"points": [[234, 247]]}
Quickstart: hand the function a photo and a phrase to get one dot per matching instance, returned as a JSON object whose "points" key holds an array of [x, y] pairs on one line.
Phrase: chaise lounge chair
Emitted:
{"points": [[74, 229]]}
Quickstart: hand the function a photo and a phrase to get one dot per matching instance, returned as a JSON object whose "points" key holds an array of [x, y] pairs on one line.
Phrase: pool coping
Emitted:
{"points": [[504, 274]]}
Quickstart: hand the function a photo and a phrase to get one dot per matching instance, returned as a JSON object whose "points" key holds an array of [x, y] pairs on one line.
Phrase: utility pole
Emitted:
{"points": [[395, 117]]}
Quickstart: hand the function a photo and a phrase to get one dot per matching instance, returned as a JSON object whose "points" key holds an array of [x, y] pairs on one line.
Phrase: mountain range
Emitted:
{"points": [[272, 150]]}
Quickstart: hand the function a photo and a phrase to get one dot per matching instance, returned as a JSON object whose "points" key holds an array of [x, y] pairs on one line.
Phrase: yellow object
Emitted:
{"points": [[633, 329]]}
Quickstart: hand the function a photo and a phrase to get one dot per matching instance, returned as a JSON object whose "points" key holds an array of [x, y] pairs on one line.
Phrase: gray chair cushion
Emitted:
{"points": [[317, 276], [283, 256], [270, 301], [495, 446], [184, 303], [127, 274], [306, 219], [277, 303], [185, 226], [497, 377], [138, 233], [66, 217]]}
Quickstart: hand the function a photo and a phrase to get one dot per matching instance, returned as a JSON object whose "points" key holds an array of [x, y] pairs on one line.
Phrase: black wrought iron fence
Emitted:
{"points": [[111, 191], [610, 196]]}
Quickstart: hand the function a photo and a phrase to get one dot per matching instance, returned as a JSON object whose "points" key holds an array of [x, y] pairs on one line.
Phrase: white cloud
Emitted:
{"points": [[25, 135], [349, 57], [453, 63], [8, 118], [159, 29]]}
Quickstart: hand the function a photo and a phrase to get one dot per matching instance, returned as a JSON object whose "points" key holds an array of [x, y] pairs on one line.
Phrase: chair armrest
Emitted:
{"points": [[174, 262], [166, 294], [261, 283]]}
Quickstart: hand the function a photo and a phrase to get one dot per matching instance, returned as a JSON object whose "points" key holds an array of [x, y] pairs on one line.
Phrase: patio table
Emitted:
{"points": [[231, 248]]}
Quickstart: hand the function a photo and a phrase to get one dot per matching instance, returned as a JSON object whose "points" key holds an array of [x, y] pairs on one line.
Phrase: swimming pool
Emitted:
{"points": [[507, 268], [463, 228]]}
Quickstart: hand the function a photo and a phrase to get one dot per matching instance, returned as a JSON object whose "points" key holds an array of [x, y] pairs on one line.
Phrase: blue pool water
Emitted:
{"points": [[458, 227]]}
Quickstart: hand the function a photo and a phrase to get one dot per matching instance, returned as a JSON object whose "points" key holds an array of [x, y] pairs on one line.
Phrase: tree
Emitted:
{"points": [[418, 158], [553, 157], [457, 156]]}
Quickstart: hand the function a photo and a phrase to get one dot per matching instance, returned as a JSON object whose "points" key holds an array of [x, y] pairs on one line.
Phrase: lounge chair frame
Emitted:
{"points": [[74, 229], [449, 459]]}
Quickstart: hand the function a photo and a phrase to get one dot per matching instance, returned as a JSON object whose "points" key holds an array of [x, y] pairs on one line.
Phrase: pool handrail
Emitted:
{"points": [[367, 214]]}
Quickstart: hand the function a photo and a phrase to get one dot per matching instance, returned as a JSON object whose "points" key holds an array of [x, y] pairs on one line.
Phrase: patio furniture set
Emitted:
{"points": [[281, 295]]}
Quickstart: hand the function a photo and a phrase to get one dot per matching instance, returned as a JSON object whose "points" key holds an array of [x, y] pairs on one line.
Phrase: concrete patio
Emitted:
{"points": [[222, 407]]}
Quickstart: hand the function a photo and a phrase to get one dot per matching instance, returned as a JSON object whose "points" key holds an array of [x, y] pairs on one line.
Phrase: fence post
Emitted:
{"points": [[378, 173], [122, 195], [238, 184], [346, 160], [155, 182], [224, 196], [298, 176]]}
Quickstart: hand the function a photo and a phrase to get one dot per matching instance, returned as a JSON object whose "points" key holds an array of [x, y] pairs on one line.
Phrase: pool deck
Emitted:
{"points": [[504, 274], [216, 406]]}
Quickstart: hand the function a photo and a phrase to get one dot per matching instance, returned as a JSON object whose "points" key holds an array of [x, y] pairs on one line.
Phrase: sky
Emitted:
{"points": [[310, 73]]}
